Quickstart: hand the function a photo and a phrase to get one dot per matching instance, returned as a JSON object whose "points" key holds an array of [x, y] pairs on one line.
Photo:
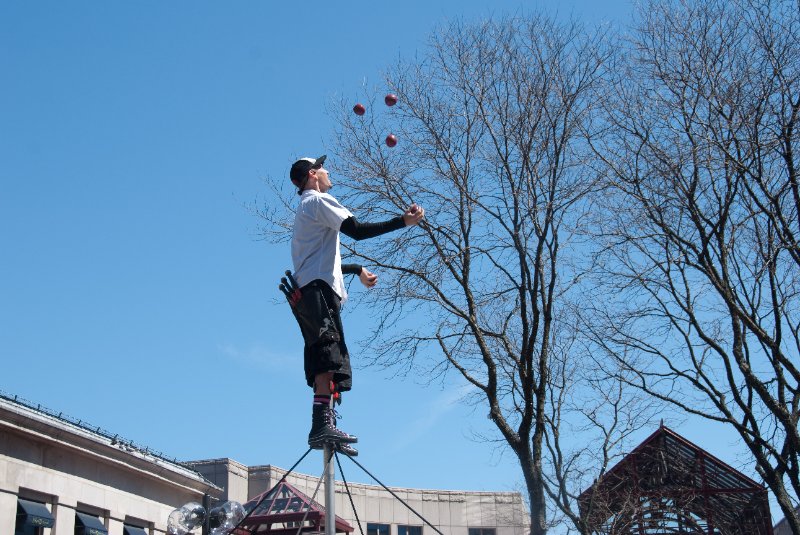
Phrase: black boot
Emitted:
{"points": [[323, 428], [347, 449]]}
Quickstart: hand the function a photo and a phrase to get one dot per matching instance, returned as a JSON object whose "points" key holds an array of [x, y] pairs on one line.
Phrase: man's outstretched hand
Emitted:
{"points": [[367, 278], [413, 215]]}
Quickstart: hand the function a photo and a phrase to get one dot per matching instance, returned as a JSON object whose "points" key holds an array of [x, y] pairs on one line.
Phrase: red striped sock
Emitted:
{"points": [[322, 399]]}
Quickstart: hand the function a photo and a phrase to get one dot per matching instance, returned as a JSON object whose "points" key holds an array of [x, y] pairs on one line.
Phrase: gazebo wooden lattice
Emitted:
{"points": [[669, 485], [281, 510]]}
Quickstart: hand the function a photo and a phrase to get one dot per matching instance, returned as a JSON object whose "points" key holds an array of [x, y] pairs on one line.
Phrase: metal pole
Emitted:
{"points": [[330, 490], [207, 520]]}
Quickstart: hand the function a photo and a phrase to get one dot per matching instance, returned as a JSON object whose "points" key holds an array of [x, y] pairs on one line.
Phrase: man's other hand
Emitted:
{"points": [[367, 279]]}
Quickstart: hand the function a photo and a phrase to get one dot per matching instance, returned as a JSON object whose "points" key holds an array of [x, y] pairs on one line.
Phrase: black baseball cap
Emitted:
{"points": [[299, 171]]}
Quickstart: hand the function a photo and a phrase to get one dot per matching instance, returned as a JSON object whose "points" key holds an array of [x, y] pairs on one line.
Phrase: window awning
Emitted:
{"points": [[34, 514], [133, 530], [90, 525]]}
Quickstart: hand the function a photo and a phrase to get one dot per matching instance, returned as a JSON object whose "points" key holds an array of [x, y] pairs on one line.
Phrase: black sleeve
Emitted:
{"points": [[360, 231], [351, 269]]}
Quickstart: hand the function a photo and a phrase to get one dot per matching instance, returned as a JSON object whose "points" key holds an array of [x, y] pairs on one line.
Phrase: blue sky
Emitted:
{"points": [[133, 291]]}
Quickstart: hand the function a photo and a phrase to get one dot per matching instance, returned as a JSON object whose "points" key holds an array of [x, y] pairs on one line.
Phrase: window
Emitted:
{"points": [[87, 524], [409, 530], [130, 529], [481, 531], [377, 529], [32, 517]]}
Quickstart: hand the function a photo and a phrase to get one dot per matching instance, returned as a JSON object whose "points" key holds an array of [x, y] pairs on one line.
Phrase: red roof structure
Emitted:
{"points": [[284, 510], [669, 485]]}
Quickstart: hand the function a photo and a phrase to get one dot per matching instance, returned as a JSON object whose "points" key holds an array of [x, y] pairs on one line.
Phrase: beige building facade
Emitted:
{"points": [[78, 474], [380, 512], [90, 482]]}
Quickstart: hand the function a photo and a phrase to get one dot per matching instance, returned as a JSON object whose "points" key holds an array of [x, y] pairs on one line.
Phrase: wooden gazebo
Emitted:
{"points": [[284, 510], [669, 485]]}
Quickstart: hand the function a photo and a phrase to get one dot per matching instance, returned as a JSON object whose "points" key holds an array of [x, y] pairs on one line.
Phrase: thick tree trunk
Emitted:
{"points": [[532, 472], [783, 498]]}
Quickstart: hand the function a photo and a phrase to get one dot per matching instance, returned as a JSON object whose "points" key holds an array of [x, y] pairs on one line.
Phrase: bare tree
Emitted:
{"points": [[589, 430], [701, 259], [489, 123]]}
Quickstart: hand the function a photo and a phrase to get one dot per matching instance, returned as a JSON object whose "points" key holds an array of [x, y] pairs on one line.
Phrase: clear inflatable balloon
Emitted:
{"points": [[174, 524], [226, 517], [185, 519]]}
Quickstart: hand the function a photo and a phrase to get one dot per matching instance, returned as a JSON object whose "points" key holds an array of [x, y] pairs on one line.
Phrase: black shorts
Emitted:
{"points": [[325, 350]]}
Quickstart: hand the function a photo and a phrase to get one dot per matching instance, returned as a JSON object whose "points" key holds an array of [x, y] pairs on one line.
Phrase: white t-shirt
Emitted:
{"points": [[315, 241]]}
